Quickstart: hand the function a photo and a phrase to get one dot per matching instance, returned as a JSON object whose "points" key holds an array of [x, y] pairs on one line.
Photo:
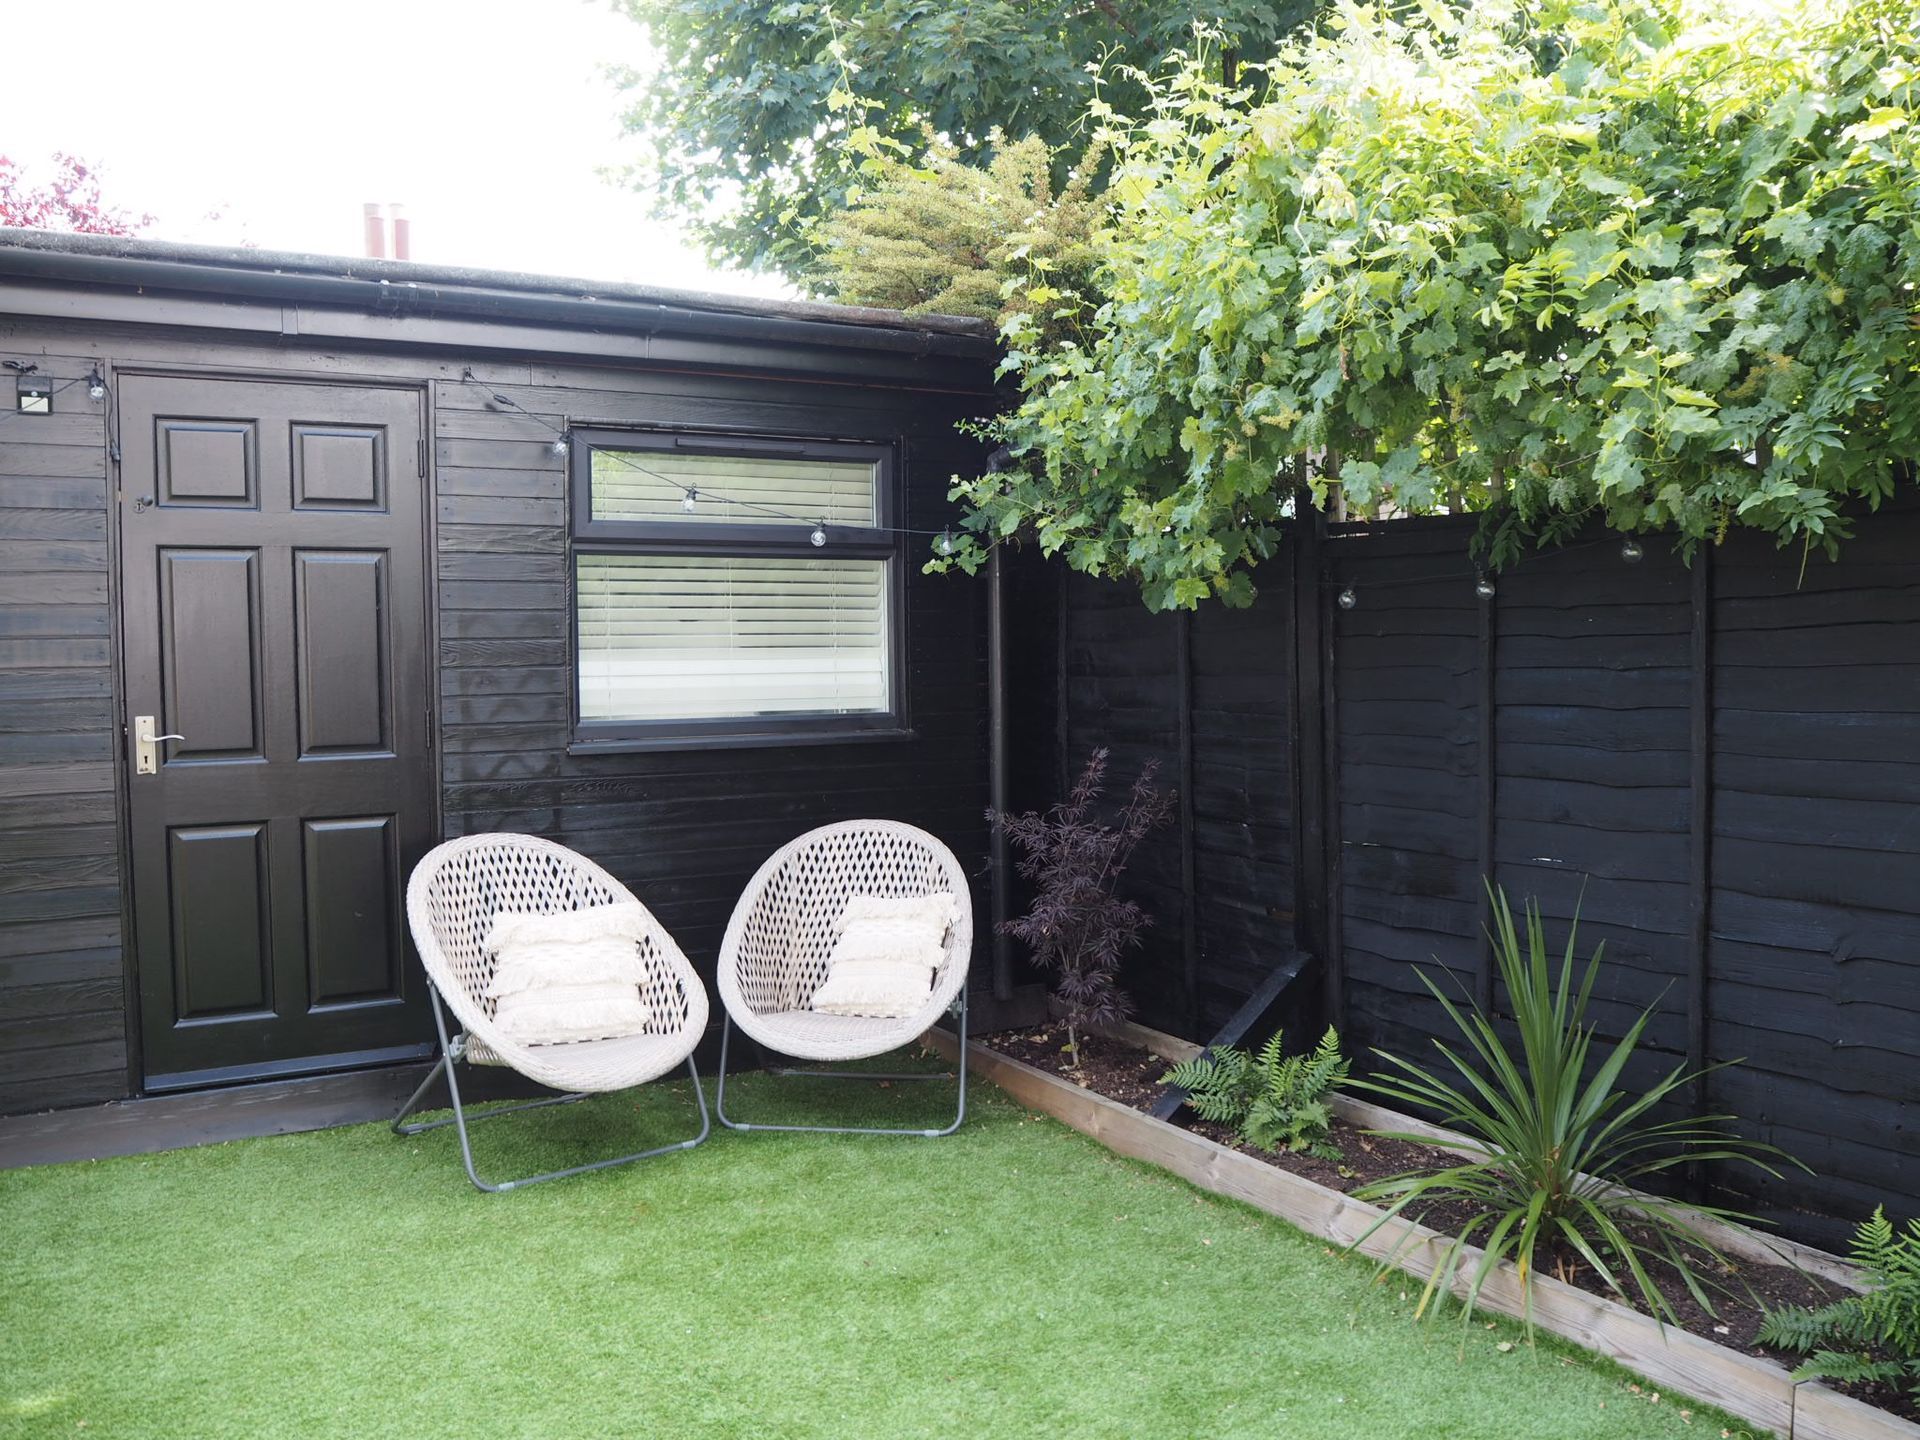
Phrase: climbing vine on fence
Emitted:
{"points": [[1628, 260]]}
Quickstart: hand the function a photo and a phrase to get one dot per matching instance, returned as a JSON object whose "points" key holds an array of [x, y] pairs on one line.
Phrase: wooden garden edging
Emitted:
{"points": [[1755, 1390]]}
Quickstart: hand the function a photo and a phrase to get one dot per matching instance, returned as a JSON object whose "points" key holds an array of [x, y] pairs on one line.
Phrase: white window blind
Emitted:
{"points": [[681, 637], [651, 486]]}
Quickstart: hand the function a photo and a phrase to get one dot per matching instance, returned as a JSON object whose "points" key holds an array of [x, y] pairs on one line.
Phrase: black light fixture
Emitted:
{"points": [[33, 395], [96, 384]]}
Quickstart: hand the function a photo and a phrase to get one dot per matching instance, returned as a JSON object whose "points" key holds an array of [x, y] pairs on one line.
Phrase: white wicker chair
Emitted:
{"points": [[451, 900], [774, 954]]}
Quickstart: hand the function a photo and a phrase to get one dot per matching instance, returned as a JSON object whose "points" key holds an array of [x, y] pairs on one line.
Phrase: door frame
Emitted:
{"points": [[115, 372]]}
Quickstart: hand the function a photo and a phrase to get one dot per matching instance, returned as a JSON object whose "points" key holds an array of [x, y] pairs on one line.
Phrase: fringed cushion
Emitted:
{"points": [[884, 958], [938, 909], [569, 976]]}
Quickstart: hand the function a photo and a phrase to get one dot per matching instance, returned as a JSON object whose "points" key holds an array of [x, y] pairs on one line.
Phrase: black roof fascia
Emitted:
{"points": [[402, 290]]}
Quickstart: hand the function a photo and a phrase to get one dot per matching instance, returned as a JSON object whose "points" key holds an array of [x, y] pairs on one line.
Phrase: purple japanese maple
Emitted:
{"points": [[1078, 926]]}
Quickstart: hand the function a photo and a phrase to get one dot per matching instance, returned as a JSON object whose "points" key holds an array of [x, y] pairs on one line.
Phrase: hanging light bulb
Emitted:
{"points": [[1348, 599], [96, 385], [690, 499], [560, 445], [1483, 587], [946, 542], [1630, 551], [819, 535]]}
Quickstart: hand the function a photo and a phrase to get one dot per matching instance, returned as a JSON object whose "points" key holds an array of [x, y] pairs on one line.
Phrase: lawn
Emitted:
{"points": [[1015, 1280]]}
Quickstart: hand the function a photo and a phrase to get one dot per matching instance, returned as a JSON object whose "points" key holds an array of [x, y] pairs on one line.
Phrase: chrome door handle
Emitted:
{"points": [[146, 745]]}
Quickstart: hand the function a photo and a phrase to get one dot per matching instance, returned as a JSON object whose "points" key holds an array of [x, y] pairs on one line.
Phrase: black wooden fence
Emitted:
{"points": [[1718, 764]]}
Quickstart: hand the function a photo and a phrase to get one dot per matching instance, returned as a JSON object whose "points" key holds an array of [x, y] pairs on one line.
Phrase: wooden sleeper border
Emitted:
{"points": [[1755, 1390]]}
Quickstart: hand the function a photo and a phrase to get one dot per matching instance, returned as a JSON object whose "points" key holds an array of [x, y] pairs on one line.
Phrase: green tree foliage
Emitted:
{"points": [[1274, 1100], [950, 238], [1871, 1337], [749, 149], [1620, 259]]}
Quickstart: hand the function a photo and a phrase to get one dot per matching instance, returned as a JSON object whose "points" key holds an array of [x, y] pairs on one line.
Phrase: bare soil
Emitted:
{"points": [[1130, 1075]]}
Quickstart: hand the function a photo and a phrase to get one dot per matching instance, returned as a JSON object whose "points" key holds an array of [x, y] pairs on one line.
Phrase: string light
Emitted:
{"points": [[946, 542], [689, 495], [1483, 587], [96, 384], [1348, 599], [1630, 551]]}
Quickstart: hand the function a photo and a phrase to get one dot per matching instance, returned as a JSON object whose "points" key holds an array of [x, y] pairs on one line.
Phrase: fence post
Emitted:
{"points": [[1489, 634], [1189, 888], [1700, 850], [1062, 721], [1311, 754]]}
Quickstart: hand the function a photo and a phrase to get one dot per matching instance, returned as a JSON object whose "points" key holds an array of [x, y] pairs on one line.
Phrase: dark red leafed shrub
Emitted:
{"points": [[1078, 926]]}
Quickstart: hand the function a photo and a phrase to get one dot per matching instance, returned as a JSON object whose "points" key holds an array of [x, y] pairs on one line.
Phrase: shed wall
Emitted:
{"points": [[63, 1033], [684, 828]]}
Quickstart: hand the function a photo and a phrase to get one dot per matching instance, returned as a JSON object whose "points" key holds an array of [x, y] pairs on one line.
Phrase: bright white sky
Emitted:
{"points": [[488, 119]]}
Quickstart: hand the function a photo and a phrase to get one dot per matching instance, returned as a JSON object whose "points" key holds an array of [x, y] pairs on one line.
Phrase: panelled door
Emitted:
{"points": [[275, 625]]}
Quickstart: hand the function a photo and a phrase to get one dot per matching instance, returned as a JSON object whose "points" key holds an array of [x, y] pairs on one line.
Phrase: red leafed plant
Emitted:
{"points": [[1078, 926], [71, 200]]}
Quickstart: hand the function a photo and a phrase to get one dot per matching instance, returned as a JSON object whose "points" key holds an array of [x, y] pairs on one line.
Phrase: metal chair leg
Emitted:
{"points": [[960, 1113], [450, 1053], [444, 1064]]}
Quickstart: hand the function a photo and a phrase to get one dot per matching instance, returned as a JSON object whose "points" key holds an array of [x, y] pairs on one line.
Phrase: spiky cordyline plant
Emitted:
{"points": [[1558, 1138], [1077, 925], [1869, 1337]]}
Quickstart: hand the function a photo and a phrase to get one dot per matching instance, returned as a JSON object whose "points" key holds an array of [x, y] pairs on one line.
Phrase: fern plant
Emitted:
{"points": [[1273, 1100], [1870, 1337]]}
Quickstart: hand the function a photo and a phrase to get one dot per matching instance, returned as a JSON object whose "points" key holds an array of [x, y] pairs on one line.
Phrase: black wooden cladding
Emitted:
{"points": [[1717, 767], [1090, 668], [62, 983], [686, 829]]}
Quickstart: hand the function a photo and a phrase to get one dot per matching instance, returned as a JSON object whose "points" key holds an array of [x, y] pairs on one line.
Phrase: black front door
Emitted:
{"points": [[273, 552]]}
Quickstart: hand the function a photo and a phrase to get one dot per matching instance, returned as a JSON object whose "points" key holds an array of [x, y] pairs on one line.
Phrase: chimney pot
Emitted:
{"points": [[374, 227]]}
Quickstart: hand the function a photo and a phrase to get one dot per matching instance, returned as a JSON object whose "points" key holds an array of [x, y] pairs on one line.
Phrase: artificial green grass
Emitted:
{"points": [[1015, 1280]]}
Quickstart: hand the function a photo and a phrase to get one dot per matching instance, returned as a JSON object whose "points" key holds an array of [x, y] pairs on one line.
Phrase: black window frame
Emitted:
{"points": [[776, 539]]}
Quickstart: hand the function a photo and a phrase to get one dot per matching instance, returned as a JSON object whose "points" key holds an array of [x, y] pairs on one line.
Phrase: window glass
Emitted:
{"points": [[650, 486], [684, 637]]}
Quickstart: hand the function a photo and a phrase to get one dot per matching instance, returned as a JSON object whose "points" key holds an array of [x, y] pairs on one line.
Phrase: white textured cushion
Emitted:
{"points": [[938, 909], [570, 976], [883, 960]]}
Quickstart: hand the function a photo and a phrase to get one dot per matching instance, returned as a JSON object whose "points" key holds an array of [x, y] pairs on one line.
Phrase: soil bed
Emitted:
{"points": [[1124, 1072]]}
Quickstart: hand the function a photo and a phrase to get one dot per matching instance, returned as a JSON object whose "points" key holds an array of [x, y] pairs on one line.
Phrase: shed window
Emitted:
{"points": [[733, 591]]}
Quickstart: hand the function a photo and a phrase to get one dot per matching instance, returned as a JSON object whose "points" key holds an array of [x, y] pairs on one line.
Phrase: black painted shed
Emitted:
{"points": [[380, 546]]}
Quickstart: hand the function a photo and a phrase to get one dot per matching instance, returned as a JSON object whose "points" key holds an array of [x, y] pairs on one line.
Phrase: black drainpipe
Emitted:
{"points": [[997, 767]]}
